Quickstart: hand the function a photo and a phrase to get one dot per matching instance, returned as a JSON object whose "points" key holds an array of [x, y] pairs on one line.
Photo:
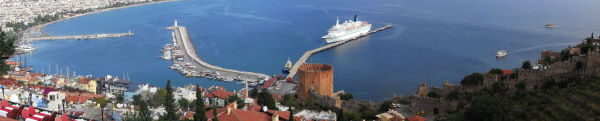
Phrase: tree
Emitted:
{"points": [[7, 49], [521, 85], [215, 118], [485, 108], [170, 103], [101, 101], [253, 93], [495, 71], [578, 65], [200, 109], [137, 100], [352, 116], [237, 99], [565, 55], [266, 99], [144, 113], [346, 96], [498, 87], [385, 106], [433, 95], [366, 112], [526, 65], [472, 79], [119, 98], [453, 95], [159, 97], [290, 100], [291, 114], [184, 103]]}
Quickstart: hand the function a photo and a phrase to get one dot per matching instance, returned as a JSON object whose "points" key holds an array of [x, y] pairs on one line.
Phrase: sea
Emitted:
{"points": [[431, 40]]}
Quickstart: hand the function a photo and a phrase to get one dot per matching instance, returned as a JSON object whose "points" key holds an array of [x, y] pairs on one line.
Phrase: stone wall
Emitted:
{"points": [[533, 79]]}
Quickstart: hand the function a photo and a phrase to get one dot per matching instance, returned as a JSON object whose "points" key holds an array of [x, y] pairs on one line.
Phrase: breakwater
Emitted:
{"points": [[80, 37], [186, 60], [307, 54]]}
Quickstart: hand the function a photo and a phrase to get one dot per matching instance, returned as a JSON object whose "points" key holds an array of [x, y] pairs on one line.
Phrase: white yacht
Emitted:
{"points": [[501, 53], [348, 30]]}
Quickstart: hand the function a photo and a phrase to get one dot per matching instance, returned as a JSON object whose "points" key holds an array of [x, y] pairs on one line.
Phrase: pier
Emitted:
{"points": [[79, 37], [190, 64], [307, 54]]}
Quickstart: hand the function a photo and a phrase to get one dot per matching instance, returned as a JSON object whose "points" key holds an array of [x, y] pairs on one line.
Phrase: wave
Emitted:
{"points": [[541, 46]]}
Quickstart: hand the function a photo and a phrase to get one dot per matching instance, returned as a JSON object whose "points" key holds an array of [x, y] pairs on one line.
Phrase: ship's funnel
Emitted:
{"points": [[337, 22]]}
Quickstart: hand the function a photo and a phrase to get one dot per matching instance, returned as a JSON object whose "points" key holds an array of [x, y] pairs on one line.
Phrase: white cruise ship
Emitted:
{"points": [[348, 30]]}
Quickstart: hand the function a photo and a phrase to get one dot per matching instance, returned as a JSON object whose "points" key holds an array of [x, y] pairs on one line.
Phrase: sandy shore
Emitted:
{"points": [[38, 28]]}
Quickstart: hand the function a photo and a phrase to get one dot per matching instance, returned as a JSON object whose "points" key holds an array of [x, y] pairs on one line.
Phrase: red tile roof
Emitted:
{"points": [[507, 72], [219, 93], [268, 83], [76, 99], [37, 74], [83, 80], [416, 118], [9, 82], [285, 115], [248, 115]]}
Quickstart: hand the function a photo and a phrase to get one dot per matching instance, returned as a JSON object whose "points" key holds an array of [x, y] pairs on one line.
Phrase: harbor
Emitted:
{"points": [[80, 37], [187, 62]]}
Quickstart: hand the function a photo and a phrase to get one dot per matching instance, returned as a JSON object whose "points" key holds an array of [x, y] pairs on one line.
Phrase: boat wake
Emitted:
{"points": [[255, 17], [541, 46]]}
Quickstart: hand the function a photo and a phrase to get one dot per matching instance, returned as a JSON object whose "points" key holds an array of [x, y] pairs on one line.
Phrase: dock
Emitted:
{"points": [[190, 64], [79, 37], [307, 54]]}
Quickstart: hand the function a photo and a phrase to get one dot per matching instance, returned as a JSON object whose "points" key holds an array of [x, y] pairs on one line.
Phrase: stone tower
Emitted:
{"points": [[315, 77], [422, 90]]}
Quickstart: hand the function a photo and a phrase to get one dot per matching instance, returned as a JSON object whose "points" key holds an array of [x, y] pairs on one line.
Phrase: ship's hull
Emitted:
{"points": [[285, 70], [350, 35]]}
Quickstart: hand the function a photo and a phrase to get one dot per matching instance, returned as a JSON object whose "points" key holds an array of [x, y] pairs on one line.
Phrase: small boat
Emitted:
{"points": [[550, 25], [228, 80], [25, 48], [287, 66], [252, 84], [501, 53]]}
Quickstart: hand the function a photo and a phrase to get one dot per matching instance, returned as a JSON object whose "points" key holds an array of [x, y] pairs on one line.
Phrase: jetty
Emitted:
{"points": [[187, 61], [79, 37], [307, 54]]}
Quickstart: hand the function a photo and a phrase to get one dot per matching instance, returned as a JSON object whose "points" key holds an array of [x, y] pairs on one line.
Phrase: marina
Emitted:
{"points": [[187, 62]]}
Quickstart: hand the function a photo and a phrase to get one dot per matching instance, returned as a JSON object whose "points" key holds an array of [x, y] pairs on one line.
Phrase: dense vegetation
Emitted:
{"points": [[554, 101], [7, 49]]}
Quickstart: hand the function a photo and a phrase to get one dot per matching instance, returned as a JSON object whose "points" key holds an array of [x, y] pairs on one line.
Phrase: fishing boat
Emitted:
{"points": [[287, 66], [501, 53], [550, 25]]}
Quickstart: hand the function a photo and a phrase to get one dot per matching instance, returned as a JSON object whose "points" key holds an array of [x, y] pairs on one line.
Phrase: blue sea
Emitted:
{"points": [[433, 40]]}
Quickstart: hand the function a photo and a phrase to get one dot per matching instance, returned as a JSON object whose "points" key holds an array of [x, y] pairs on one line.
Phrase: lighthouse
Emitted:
{"points": [[175, 22]]}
